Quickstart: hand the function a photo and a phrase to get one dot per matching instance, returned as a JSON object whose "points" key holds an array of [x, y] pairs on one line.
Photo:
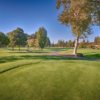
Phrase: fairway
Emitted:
{"points": [[38, 75]]}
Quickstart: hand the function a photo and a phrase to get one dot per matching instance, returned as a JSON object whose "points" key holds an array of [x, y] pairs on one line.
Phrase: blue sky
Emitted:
{"points": [[32, 14]]}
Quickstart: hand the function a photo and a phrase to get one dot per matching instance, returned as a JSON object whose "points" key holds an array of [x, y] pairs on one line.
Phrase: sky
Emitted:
{"points": [[32, 14]]}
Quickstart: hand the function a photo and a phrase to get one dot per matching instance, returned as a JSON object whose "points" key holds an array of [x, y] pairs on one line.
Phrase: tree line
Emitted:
{"points": [[95, 44], [19, 38]]}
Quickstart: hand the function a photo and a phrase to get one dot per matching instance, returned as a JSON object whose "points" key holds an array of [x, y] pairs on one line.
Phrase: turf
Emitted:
{"points": [[38, 76]]}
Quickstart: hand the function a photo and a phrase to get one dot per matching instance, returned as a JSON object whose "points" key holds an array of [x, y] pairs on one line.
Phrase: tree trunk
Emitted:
{"points": [[76, 46]]}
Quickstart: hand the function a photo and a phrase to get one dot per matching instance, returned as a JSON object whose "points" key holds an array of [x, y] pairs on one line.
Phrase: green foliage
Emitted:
{"points": [[61, 43], [79, 14], [70, 43], [83, 44], [4, 41], [17, 37], [41, 37], [48, 42], [75, 14]]}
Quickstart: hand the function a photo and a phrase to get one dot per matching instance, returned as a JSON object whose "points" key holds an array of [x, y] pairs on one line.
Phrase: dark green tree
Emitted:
{"points": [[4, 41], [48, 43], [17, 38], [41, 36]]}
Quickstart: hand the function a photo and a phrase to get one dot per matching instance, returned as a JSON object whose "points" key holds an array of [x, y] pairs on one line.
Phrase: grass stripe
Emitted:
{"points": [[17, 66]]}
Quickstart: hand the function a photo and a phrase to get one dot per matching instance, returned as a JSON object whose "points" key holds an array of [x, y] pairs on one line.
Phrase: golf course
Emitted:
{"points": [[49, 74], [49, 49]]}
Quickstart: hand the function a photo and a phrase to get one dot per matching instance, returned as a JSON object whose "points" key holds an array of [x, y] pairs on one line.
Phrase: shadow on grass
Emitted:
{"points": [[8, 59], [46, 50], [61, 57], [17, 66], [92, 57], [57, 49], [45, 57], [28, 52]]}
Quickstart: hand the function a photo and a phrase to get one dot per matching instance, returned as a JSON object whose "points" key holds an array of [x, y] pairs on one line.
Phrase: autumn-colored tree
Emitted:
{"points": [[83, 44], [97, 40], [79, 14], [32, 41]]}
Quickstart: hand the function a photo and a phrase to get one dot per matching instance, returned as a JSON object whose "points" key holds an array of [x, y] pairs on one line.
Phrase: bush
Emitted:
{"points": [[80, 55]]}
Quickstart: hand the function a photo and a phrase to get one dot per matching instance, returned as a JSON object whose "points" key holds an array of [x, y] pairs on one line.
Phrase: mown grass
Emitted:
{"points": [[38, 76]]}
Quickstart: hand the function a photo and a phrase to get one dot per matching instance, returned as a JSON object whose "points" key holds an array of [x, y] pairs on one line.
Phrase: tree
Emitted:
{"points": [[41, 36], [48, 43], [83, 44], [3, 39], [97, 40], [53, 44], [32, 41], [70, 43], [17, 38], [61, 43], [6, 43], [79, 15]]}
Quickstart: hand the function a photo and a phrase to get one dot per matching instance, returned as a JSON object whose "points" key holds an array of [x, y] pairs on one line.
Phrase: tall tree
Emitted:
{"points": [[79, 15], [41, 36], [17, 38]]}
